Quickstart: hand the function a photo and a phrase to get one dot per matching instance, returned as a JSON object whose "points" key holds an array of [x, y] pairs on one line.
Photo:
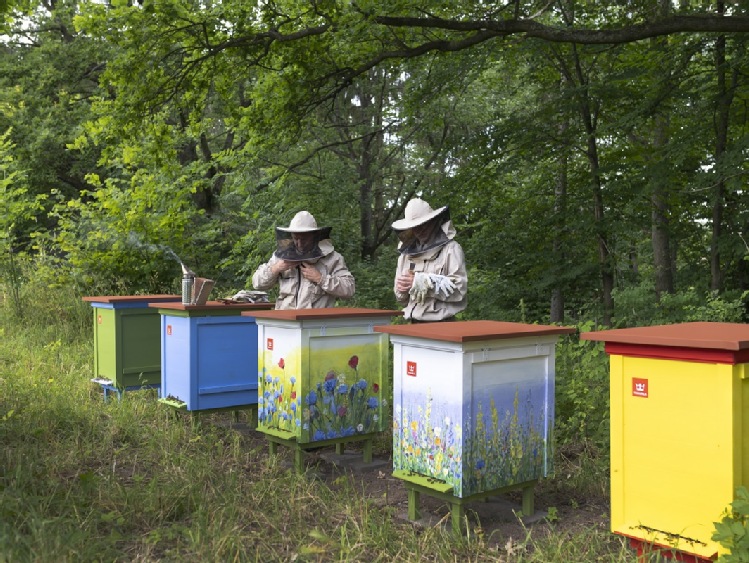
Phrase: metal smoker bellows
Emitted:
{"points": [[195, 290]]}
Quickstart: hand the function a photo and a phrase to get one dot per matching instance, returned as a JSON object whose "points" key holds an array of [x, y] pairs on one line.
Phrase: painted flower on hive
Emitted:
{"points": [[344, 408], [279, 404]]}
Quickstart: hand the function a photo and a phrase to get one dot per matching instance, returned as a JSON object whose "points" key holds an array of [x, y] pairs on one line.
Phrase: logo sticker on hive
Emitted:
{"points": [[168, 330], [411, 369], [269, 344], [639, 387], [98, 319]]}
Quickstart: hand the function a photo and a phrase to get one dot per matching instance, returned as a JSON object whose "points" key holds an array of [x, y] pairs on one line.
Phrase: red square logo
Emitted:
{"points": [[411, 369], [168, 330], [269, 344], [639, 387]]}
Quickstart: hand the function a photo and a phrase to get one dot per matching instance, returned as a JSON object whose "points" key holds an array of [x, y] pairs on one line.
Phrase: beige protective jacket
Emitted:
{"points": [[447, 260], [296, 292]]}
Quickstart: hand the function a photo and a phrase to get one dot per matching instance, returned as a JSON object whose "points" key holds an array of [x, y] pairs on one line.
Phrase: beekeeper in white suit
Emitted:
{"points": [[309, 272], [431, 278]]}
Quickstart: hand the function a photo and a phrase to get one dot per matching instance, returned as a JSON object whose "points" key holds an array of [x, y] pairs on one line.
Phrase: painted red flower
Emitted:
{"points": [[353, 362], [293, 395], [280, 398], [375, 388], [281, 363]]}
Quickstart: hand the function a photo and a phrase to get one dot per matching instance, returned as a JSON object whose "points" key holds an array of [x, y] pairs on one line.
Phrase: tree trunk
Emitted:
{"points": [[722, 110], [660, 215], [556, 313], [660, 184], [605, 262]]}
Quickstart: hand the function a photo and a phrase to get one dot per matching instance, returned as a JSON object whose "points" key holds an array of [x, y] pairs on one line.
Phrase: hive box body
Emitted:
{"points": [[208, 356], [127, 342], [679, 430], [477, 414], [323, 374]]}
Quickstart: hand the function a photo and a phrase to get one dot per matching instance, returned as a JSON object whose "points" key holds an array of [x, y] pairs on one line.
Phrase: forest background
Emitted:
{"points": [[592, 155]]}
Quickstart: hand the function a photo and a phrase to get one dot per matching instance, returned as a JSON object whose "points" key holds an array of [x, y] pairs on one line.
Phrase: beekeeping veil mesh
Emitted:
{"points": [[300, 246], [431, 233]]}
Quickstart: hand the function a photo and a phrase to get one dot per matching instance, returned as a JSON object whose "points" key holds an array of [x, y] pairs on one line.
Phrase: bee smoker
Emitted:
{"points": [[188, 282]]}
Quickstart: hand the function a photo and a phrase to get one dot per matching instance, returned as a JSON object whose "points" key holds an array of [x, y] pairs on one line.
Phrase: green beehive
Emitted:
{"points": [[127, 340]]}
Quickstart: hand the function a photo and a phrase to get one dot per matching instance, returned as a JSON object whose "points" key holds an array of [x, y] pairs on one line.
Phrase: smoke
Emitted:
{"points": [[134, 241]]}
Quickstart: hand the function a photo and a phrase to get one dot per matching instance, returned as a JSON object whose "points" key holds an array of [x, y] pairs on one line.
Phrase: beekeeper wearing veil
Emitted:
{"points": [[431, 279], [309, 272]]}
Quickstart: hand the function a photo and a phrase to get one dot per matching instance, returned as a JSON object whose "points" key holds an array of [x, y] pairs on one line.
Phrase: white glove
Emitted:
{"points": [[442, 284], [421, 286]]}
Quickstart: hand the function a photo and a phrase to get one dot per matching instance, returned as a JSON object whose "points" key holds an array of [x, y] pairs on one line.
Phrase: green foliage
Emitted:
{"points": [[582, 390], [638, 306], [732, 532], [17, 207]]}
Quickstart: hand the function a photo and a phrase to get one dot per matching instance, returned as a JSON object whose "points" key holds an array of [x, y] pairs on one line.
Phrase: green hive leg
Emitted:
{"points": [[528, 501], [456, 512], [413, 505]]}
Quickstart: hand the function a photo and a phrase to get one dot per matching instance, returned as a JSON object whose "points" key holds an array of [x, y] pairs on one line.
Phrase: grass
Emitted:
{"points": [[82, 479]]}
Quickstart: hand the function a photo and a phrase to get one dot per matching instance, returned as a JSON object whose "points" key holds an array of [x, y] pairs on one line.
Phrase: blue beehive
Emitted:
{"points": [[208, 355]]}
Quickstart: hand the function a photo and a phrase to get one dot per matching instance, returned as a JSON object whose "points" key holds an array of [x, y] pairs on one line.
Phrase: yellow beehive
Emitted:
{"points": [[678, 398]]}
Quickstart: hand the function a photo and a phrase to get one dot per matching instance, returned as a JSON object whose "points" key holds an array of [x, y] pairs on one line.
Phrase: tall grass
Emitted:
{"points": [[82, 479]]}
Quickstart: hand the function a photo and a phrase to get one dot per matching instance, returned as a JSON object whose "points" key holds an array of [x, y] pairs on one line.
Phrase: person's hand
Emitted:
{"points": [[311, 273], [282, 266], [421, 285], [403, 283]]}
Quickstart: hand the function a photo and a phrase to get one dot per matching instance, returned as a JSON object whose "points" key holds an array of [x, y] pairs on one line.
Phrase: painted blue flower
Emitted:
{"points": [[342, 388], [268, 379], [362, 384], [332, 434], [312, 398], [329, 386], [373, 403], [480, 464], [350, 431], [319, 435], [293, 407], [293, 380]]}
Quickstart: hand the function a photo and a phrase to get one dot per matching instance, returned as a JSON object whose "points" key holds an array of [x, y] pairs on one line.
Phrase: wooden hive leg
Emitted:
{"points": [[272, 447], [528, 500], [340, 447], [414, 513], [299, 459], [252, 417], [456, 516], [368, 450]]}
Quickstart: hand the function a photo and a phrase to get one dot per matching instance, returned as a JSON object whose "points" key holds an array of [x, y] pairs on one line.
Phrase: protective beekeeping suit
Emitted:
{"points": [[431, 278], [308, 271]]}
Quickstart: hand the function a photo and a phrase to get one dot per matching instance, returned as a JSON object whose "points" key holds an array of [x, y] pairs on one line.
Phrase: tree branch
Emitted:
{"points": [[489, 29]]}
